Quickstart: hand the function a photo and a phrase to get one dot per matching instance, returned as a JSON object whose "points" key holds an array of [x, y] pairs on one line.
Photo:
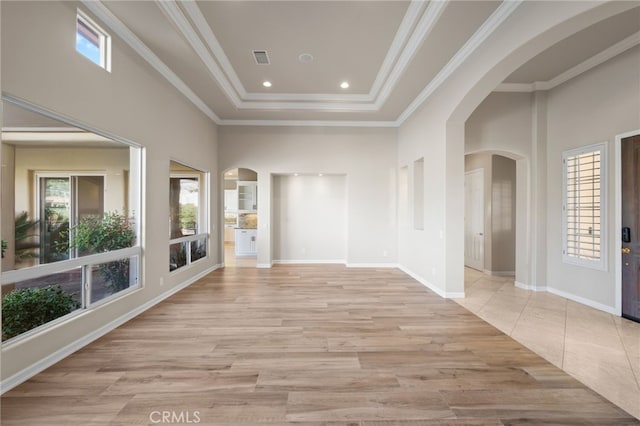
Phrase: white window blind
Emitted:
{"points": [[583, 206]]}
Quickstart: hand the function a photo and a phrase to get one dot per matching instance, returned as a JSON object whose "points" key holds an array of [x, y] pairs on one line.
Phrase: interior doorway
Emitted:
{"points": [[240, 239], [474, 219], [630, 202], [490, 213]]}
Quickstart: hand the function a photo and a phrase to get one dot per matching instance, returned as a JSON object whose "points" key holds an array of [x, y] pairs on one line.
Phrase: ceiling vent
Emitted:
{"points": [[261, 57]]}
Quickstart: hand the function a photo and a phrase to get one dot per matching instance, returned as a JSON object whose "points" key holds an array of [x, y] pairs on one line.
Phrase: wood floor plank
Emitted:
{"points": [[308, 345]]}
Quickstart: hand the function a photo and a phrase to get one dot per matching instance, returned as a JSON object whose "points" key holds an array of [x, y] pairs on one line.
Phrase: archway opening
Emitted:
{"points": [[240, 212]]}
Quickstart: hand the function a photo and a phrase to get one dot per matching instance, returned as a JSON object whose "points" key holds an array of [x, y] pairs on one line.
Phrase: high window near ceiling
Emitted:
{"points": [[92, 41], [188, 214], [584, 205], [70, 220]]}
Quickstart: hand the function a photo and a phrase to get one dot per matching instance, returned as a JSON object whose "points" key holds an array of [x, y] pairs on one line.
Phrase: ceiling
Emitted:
{"points": [[389, 52]]}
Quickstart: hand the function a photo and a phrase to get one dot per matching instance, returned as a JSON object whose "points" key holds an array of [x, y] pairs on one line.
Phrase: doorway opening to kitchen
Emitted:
{"points": [[240, 217]]}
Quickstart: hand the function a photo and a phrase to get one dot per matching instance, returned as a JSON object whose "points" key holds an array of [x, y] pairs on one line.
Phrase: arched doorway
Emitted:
{"points": [[240, 212]]}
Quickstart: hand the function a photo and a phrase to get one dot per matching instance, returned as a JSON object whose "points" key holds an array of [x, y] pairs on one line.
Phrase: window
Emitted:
{"points": [[93, 42], [584, 206], [70, 205], [188, 218]]}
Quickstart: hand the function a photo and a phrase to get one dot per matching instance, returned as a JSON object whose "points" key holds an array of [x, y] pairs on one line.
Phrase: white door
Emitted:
{"points": [[474, 219]]}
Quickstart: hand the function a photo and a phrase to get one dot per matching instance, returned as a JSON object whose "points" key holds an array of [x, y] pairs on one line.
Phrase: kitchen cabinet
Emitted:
{"points": [[246, 244], [248, 196]]}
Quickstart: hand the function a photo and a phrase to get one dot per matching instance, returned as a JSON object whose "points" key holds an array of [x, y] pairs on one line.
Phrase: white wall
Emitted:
{"points": [[436, 130], [40, 65], [309, 219], [367, 158], [592, 108], [502, 122]]}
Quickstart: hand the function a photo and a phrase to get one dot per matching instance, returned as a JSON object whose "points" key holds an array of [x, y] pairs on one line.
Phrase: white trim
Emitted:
{"points": [[264, 265], [423, 29], [583, 301], [610, 52], [120, 29], [309, 262], [529, 287], [399, 40], [361, 102], [223, 72], [39, 366], [307, 123], [486, 29], [422, 281], [602, 263], [499, 273], [372, 265], [103, 37]]}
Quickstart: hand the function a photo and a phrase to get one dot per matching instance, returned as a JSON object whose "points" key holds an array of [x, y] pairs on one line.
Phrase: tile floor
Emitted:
{"points": [[599, 349]]}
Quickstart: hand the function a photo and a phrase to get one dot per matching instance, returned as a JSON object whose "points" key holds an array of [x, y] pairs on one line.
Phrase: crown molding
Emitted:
{"points": [[118, 27], [348, 102], [503, 11], [226, 76], [600, 58], [422, 31], [308, 123]]}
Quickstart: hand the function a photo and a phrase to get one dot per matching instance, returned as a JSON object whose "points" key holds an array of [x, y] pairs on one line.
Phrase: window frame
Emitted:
{"points": [[203, 218], [601, 263], [137, 194], [104, 40]]}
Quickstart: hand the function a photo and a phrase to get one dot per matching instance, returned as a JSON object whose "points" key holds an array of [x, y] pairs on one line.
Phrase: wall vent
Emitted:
{"points": [[261, 57]]}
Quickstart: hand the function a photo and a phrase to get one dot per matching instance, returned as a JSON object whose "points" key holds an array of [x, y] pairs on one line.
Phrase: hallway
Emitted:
{"points": [[599, 349]]}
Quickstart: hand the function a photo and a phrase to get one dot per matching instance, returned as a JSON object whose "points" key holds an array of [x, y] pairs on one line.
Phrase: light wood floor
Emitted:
{"points": [[310, 345]]}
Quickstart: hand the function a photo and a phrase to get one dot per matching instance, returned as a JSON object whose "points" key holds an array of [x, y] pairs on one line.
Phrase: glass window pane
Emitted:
{"points": [[30, 303], [198, 249], [177, 256], [110, 278]]}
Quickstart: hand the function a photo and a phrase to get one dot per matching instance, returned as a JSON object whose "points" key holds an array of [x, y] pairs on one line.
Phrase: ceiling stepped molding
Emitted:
{"points": [[226, 76], [602, 57], [176, 16], [118, 27], [422, 31], [399, 40], [488, 27], [503, 11]]}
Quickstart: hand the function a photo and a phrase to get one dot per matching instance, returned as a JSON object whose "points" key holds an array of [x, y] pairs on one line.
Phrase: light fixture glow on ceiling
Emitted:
{"points": [[344, 85], [305, 57], [266, 83]]}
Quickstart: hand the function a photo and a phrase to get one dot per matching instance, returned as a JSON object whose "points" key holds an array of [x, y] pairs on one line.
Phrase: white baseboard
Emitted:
{"points": [[528, 286], [500, 273], [264, 265], [309, 261], [24, 375], [372, 265], [430, 286], [596, 305]]}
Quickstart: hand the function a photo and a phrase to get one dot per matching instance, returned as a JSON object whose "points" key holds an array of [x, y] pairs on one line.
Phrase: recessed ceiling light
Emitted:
{"points": [[266, 83], [344, 85], [305, 57], [296, 174], [320, 174]]}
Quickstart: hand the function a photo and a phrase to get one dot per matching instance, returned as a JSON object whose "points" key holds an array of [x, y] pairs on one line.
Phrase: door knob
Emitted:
{"points": [[626, 250]]}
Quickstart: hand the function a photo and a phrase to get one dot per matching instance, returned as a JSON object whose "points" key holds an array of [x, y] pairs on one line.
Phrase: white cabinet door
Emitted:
{"points": [[246, 242], [231, 200], [247, 196]]}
